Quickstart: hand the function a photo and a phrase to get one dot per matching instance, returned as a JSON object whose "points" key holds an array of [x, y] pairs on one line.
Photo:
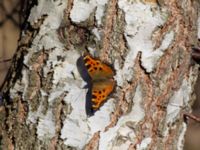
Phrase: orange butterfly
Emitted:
{"points": [[102, 80]]}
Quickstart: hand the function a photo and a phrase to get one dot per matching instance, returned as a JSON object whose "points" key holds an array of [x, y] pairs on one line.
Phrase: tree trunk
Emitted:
{"points": [[148, 43]]}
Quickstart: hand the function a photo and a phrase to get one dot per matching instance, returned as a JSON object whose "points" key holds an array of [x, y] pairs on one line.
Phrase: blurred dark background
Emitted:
{"points": [[12, 15]]}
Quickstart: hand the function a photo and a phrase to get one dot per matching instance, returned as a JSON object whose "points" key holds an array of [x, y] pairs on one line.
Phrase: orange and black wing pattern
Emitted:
{"points": [[102, 80]]}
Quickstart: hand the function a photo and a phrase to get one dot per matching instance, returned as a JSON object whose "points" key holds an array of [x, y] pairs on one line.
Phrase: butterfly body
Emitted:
{"points": [[102, 80]]}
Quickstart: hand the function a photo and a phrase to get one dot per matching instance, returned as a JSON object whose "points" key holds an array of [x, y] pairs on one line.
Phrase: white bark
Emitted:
{"points": [[154, 82]]}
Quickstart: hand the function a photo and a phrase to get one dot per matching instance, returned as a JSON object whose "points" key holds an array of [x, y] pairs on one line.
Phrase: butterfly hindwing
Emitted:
{"points": [[100, 92]]}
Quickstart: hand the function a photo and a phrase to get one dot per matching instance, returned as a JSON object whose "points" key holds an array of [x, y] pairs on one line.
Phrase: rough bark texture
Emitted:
{"points": [[148, 43]]}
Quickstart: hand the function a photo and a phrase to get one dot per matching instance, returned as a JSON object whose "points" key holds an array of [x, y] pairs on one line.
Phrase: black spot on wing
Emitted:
{"points": [[88, 66], [94, 96]]}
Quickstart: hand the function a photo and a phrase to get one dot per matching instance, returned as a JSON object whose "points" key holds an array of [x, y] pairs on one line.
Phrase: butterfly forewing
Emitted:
{"points": [[96, 69]]}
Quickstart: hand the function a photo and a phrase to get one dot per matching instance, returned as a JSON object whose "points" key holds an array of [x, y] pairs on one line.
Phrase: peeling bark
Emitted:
{"points": [[147, 42]]}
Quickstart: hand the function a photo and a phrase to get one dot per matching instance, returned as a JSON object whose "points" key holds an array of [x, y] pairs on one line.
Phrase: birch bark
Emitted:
{"points": [[148, 42]]}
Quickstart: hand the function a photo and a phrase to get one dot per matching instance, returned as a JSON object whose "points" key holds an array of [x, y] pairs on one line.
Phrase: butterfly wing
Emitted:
{"points": [[100, 92], [102, 82], [96, 69]]}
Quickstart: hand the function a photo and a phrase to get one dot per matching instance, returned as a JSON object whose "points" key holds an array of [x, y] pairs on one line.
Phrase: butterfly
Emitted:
{"points": [[102, 80]]}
